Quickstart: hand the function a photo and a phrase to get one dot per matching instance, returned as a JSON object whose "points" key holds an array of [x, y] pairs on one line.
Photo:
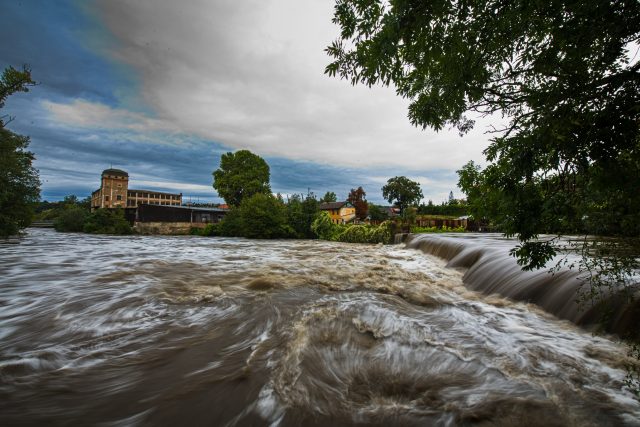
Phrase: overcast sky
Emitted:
{"points": [[161, 88]]}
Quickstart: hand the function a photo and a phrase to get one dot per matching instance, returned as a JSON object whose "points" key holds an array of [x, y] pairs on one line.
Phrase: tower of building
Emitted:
{"points": [[113, 190]]}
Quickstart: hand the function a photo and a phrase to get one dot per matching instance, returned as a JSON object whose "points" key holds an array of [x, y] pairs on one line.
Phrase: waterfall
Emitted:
{"points": [[489, 269]]}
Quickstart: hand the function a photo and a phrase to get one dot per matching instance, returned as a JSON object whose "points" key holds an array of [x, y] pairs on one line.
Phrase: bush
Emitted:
{"points": [[208, 230], [323, 227], [261, 216], [107, 221], [444, 229], [366, 233], [327, 230], [264, 217], [231, 225], [71, 219]]}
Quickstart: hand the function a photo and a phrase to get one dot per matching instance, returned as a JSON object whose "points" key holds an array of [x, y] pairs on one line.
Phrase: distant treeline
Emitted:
{"points": [[74, 215], [453, 207]]}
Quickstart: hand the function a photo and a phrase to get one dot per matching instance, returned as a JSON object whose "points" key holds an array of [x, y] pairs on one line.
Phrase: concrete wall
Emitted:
{"points": [[167, 228]]}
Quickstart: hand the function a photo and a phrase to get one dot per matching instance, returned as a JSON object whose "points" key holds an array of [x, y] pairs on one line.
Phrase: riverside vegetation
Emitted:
{"points": [[243, 181], [264, 216], [19, 181]]}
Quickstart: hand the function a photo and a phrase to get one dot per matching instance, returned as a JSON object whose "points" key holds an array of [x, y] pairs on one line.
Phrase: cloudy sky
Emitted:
{"points": [[161, 88]]}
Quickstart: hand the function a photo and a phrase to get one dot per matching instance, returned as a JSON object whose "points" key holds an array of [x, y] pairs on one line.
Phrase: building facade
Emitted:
{"points": [[340, 212], [114, 192]]}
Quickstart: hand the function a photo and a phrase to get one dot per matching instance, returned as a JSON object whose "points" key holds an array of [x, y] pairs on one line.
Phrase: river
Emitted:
{"points": [[153, 330]]}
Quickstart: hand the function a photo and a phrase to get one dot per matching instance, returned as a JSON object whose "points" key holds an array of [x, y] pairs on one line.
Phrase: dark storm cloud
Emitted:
{"points": [[54, 39], [162, 88], [250, 74]]}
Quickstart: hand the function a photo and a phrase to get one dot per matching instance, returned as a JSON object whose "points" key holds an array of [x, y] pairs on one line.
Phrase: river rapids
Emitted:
{"points": [[152, 330]]}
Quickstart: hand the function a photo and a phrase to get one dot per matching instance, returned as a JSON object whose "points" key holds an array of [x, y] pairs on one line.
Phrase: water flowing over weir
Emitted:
{"points": [[488, 268], [98, 330]]}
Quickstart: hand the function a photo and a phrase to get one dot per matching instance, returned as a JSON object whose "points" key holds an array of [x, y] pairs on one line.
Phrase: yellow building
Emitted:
{"points": [[114, 192], [340, 212]]}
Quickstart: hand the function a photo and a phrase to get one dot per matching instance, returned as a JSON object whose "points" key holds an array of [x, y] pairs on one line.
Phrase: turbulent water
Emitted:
{"points": [[211, 331], [565, 293]]}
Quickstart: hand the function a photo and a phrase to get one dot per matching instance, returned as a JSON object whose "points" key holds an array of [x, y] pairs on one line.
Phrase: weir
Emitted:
{"points": [[489, 269]]}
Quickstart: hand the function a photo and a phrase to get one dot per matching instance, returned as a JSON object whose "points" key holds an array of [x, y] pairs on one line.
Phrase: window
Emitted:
{"points": [[118, 197], [106, 198]]}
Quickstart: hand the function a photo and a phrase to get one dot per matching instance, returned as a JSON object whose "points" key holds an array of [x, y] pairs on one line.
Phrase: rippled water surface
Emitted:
{"points": [[212, 331]]}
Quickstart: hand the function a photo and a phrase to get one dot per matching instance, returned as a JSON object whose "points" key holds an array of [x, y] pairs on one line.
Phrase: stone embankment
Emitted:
{"points": [[166, 228]]}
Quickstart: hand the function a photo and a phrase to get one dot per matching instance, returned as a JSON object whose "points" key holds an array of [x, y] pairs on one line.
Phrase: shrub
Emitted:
{"points": [[71, 219], [354, 234], [323, 227], [366, 233], [444, 229], [260, 216], [231, 225], [107, 221], [264, 217], [210, 230], [327, 230]]}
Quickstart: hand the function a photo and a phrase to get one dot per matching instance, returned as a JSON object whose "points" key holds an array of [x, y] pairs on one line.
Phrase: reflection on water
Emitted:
{"points": [[195, 331]]}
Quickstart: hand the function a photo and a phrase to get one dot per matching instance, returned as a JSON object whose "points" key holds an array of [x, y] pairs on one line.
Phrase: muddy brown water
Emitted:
{"points": [[143, 330]]}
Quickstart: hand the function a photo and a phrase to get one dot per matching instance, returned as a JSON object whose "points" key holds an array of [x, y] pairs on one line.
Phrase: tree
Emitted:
{"points": [[263, 216], [241, 174], [329, 197], [357, 199], [301, 214], [483, 201], [19, 183], [376, 213], [558, 71], [402, 192]]}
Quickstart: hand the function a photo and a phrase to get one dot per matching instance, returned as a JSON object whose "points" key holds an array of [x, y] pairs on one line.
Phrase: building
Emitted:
{"points": [[340, 212], [162, 219], [114, 192], [151, 212]]}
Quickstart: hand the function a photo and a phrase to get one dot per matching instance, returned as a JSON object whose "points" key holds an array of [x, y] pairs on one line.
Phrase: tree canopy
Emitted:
{"points": [[560, 73], [377, 214], [402, 192], [301, 212], [329, 197], [19, 183], [263, 216], [357, 199], [241, 174]]}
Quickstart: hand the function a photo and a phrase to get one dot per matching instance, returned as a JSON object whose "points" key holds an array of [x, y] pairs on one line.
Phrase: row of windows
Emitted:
{"points": [[133, 203], [154, 196], [167, 203], [143, 198]]}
